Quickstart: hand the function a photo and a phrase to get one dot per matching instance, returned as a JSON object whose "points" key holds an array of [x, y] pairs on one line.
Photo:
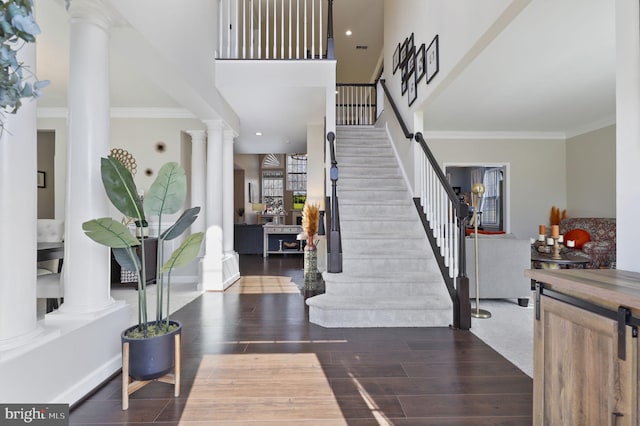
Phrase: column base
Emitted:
{"points": [[54, 375], [230, 269]]}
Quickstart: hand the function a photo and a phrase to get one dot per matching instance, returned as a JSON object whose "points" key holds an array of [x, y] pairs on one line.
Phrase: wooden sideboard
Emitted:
{"points": [[586, 347]]}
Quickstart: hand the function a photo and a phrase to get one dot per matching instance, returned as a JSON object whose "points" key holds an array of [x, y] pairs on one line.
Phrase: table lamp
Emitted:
{"points": [[477, 189]]}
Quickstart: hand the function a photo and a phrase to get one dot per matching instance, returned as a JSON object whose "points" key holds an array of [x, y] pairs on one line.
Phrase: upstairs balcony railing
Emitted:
{"points": [[275, 29], [356, 104]]}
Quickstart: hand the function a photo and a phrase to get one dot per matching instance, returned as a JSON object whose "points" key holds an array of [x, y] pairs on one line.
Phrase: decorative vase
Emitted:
{"points": [[310, 265], [152, 357]]}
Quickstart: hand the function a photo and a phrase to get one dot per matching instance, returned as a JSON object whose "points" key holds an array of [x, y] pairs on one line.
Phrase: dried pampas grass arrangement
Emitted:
{"points": [[310, 215], [555, 216]]}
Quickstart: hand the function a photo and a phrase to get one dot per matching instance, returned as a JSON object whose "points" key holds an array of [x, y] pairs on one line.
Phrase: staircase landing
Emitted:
{"points": [[390, 277]]}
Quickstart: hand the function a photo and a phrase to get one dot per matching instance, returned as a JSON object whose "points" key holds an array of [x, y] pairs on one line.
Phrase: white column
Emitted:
{"points": [[18, 198], [230, 261], [627, 133], [198, 176], [227, 192], [211, 265], [86, 262], [214, 173]]}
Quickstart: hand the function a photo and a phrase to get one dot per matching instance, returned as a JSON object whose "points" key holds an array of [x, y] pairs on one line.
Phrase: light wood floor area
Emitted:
{"points": [[250, 357]]}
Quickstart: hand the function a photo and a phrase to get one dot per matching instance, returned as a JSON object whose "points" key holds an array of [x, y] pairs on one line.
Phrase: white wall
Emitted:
{"points": [[141, 135], [464, 27], [537, 178], [591, 174]]}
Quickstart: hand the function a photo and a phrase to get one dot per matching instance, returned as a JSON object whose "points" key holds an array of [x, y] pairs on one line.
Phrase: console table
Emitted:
{"points": [[585, 346], [273, 234], [129, 277]]}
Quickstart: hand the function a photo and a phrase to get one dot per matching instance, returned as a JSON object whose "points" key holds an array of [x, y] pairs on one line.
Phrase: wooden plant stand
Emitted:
{"points": [[130, 385]]}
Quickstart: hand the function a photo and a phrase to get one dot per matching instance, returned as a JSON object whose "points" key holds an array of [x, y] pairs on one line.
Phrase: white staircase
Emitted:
{"points": [[390, 277]]}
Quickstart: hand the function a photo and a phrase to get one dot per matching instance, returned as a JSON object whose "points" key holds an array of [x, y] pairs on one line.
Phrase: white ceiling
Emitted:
{"points": [[552, 70]]}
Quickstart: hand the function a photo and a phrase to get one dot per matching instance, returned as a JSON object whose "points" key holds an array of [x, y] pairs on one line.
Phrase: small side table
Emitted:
{"points": [[565, 260]]}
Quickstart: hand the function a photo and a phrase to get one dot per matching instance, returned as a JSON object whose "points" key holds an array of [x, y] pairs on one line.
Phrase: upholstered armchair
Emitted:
{"points": [[601, 244], [49, 231]]}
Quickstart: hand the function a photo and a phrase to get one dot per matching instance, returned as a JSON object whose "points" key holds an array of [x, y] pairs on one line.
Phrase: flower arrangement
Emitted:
{"points": [[310, 215], [17, 26]]}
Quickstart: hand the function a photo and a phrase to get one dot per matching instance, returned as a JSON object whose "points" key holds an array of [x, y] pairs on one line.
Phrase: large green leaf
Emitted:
{"points": [[168, 192], [120, 188], [127, 258], [110, 233], [184, 221], [184, 254]]}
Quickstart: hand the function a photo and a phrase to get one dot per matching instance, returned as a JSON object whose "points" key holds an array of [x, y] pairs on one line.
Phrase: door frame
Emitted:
{"points": [[506, 180]]}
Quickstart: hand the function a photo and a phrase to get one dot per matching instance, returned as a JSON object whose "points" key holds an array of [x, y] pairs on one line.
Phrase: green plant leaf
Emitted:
{"points": [[184, 221], [124, 259], [120, 188], [110, 233], [184, 254], [168, 192]]}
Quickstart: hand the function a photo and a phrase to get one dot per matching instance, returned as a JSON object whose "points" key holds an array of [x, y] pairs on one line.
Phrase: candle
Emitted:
{"points": [[571, 243], [561, 238], [541, 237], [532, 241], [542, 230], [555, 230], [550, 241]]}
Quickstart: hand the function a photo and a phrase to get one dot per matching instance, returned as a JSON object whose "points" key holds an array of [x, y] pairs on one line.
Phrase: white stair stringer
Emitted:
{"points": [[390, 277]]}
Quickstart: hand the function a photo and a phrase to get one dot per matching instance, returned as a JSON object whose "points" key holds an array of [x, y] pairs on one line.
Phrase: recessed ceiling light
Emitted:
{"points": [[348, 32], [258, 133]]}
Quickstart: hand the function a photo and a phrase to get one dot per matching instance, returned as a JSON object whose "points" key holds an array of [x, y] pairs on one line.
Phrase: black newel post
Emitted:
{"points": [[330, 54]]}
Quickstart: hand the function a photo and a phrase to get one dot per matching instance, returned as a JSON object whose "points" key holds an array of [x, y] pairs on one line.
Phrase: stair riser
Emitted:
{"points": [[360, 210], [382, 289], [372, 194], [381, 227], [382, 265], [345, 161], [379, 245], [375, 182], [383, 318], [356, 151], [378, 172]]}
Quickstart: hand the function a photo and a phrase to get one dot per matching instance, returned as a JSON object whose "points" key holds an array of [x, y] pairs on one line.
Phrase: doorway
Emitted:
{"points": [[494, 209]]}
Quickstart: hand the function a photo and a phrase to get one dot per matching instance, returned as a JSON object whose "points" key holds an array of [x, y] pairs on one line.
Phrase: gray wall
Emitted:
{"points": [[591, 174], [46, 155]]}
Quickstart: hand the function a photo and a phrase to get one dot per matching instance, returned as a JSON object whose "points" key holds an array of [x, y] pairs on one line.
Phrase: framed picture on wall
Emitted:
{"points": [[411, 60], [420, 63], [396, 58], [412, 88], [403, 52], [403, 78], [431, 59]]}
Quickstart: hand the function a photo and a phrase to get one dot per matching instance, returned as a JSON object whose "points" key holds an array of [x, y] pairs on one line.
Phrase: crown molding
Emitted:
{"points": [[124, 113], [493, 135]]}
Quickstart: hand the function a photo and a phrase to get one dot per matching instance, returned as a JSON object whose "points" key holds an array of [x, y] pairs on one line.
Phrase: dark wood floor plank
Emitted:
{"points": [[254, 359]]}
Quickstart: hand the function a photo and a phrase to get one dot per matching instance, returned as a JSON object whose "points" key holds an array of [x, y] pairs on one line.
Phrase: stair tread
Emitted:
{"points": [[371, 303]]}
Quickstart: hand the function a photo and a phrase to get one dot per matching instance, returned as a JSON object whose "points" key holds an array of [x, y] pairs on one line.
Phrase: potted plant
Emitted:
{"points": [[151, 342], [17, 26]]}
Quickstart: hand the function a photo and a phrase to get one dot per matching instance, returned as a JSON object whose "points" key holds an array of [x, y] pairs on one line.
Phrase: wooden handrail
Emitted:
{"points": [[447, 241], [396, 111]]}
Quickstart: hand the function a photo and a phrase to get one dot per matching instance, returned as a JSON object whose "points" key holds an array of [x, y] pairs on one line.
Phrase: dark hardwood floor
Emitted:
{"points": [[252, 359]]}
